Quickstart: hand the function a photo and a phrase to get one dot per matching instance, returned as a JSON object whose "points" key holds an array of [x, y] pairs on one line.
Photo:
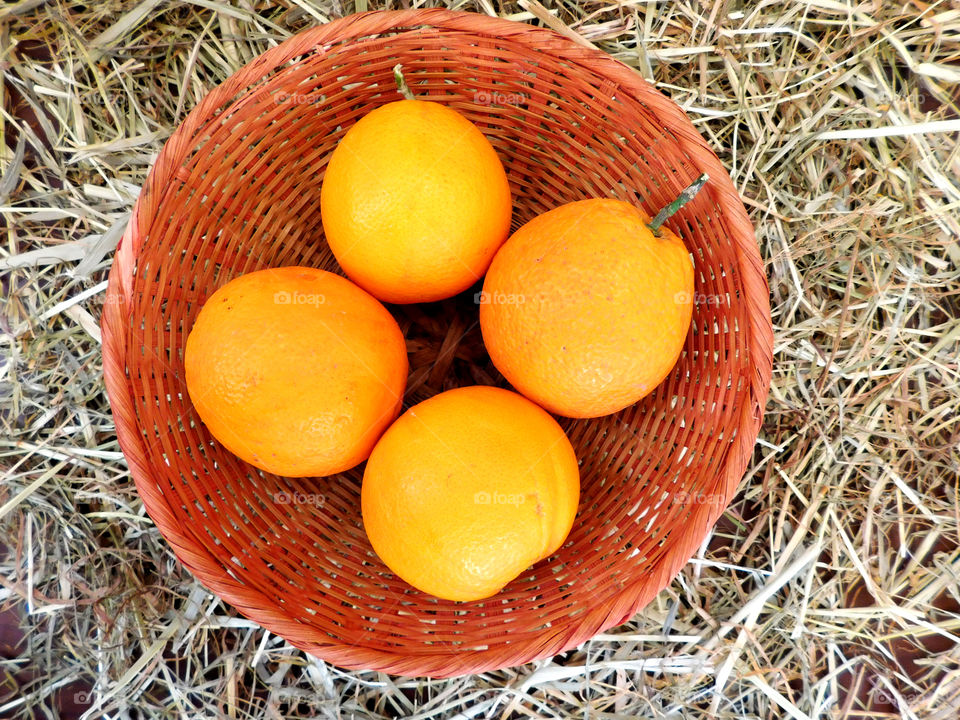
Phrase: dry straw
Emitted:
{"points": [[827, 589]]}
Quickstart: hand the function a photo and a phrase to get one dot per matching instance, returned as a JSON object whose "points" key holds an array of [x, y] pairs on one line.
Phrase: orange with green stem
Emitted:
{"points": [[414, 201], [601, 298]]}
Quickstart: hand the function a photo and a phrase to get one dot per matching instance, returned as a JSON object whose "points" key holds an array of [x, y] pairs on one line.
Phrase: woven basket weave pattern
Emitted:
{"points": [[236, 189]]}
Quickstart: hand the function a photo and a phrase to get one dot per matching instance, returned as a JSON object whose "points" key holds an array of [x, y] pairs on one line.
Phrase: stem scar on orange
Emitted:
{"points": [[296, 370], [602, 302], [468, 489], [414, 202]]}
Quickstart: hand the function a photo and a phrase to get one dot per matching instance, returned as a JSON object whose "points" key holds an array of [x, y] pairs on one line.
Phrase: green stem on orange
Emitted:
{"points": [[683, 198], [402, 86]]}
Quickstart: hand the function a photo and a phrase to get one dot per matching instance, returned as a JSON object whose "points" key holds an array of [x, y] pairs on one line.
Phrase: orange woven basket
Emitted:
{"points": [[236, 189]]}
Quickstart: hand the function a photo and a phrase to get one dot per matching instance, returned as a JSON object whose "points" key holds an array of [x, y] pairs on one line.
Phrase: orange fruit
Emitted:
{"points": [[585, 310], [468, 489], [415, 202], [296, 370]]}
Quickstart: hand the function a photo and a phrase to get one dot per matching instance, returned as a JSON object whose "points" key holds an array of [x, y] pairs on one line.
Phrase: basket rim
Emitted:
{"points": [[189, 546]]}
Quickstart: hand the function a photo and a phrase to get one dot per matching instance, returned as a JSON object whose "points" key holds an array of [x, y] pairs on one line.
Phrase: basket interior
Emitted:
{"points": [[245, 196]]}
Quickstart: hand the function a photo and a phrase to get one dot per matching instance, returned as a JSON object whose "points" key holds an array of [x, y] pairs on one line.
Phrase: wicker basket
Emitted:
{"points": [[236, 189]]}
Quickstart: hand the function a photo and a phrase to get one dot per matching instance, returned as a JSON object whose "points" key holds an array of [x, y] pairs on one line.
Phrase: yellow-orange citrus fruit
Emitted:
{"points": [[585, 310], [415, 202], [468, 489], [296, 370]]}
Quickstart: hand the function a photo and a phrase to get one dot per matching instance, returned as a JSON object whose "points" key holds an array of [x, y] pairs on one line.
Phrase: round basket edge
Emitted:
{"points": [[119, 290]]}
